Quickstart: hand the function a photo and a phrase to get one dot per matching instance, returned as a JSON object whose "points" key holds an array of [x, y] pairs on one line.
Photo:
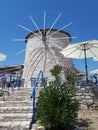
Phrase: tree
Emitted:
{"points": [[57, 104]]}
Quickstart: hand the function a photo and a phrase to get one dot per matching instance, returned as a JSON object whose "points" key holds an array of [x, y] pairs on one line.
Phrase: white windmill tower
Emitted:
{"points": [[43, 48]]}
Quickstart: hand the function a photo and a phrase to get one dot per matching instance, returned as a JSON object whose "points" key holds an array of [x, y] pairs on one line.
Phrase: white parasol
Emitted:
{"points": [[82, 50], [94, 71], [2, 57]]}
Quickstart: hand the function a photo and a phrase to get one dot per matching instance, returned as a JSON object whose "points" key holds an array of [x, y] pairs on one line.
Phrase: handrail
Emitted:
{"points": [[96, 81], [33, 95]]}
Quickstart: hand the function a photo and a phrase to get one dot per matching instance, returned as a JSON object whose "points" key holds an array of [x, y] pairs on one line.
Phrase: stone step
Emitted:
{"points": [[22, 91], [1, 99], [19, 99], [16, 109], [24, 95], [16, 98], [14, 125], [15, 103], [19, 109], [15, 117]]}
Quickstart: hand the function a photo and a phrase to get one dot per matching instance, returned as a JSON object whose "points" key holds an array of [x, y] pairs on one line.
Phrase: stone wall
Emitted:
{"points": [[87, 96]]}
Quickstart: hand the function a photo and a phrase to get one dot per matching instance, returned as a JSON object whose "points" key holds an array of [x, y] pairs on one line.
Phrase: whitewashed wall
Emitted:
{"points": [[34, 58]]}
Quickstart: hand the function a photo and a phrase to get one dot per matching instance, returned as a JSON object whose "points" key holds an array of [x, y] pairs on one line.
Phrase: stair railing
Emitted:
{"points": [[40, 75]]}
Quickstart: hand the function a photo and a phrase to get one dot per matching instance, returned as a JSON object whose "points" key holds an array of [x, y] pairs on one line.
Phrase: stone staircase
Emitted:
{"points": [[16, 109]]}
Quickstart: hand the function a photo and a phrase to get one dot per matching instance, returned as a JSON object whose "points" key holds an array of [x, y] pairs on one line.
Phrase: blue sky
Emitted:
{"points": [[83, 14]]}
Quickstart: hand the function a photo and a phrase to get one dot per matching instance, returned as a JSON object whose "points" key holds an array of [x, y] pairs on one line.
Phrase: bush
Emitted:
{"points": [[1, 94], [57, 106]]}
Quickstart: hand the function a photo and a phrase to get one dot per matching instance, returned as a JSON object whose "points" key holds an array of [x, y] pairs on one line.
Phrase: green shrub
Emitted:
{"points": [[57, 105], [1, 94]]}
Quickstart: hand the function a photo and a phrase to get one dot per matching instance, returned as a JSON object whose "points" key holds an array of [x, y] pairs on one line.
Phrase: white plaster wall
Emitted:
{"points": [[34, 63]]}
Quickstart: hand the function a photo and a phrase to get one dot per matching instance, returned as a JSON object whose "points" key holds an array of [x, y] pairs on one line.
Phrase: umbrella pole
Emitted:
{"points": [[86, 64]]}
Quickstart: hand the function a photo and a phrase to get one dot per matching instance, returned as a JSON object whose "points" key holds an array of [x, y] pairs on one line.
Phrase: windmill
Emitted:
{"points": [[43, 46]]}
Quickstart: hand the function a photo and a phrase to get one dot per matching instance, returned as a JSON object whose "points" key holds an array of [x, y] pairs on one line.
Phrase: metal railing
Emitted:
{"points": [[34, 85]]}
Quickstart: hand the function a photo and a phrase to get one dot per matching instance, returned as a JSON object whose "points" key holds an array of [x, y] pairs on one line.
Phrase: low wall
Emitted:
{"points": [[87, 96]]}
